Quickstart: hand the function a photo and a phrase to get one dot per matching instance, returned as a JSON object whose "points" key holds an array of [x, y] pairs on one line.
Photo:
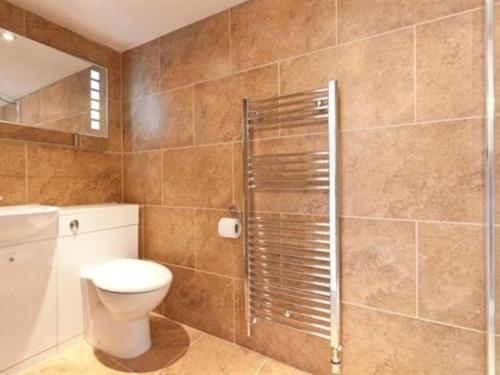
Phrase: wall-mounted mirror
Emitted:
{"points": [[45, 88]]}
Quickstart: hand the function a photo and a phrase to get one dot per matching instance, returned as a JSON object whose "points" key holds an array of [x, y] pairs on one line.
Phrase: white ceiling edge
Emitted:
{"points": [[124, 24]]}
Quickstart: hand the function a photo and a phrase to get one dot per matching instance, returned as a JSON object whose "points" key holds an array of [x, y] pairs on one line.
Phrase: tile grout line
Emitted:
{"points": [[323, 215], [336, 22], [161, 179], [420, 318], [230, 37], [262, 364], [408, 220], [203, 334], [309, 53], [234, 310], [415, 74], [417, 284], [292, 136], [231, 278], [193, 116], [233, 164], [26, 169], [193, 217]]}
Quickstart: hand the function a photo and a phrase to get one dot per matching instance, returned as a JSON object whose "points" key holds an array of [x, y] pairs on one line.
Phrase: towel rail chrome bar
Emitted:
{"points": [[322, 299], [289, 96], [292, 263]]}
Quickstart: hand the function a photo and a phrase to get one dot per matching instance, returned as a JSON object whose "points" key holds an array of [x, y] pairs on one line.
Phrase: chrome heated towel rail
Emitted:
{"points": [[292, 263]]}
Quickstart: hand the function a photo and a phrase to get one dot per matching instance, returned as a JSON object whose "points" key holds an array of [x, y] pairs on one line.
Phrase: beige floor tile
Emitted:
{"points": [[170, 340], [79, 358], [176, 349], [214, 356], [272, 367]]}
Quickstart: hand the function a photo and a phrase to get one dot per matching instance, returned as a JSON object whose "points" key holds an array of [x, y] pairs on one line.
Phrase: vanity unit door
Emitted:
{"points": [[28, 300]]}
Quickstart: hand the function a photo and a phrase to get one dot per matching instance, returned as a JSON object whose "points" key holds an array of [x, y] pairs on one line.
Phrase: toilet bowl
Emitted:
{"points": [[118, 297]]}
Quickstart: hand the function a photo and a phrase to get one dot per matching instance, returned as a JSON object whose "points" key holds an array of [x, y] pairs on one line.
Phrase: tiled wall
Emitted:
{"points": [[410, 75], [32, 172]]}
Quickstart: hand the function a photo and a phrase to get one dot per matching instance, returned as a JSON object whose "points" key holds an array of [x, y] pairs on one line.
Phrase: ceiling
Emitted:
{"points": [[123, 24], [28, 66]]}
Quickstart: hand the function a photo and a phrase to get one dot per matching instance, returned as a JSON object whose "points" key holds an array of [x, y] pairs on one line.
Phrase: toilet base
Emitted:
{"points": [[107, 334], [118, 337]]}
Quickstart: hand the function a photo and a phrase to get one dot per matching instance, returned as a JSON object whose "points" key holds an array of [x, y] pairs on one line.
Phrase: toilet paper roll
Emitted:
{"points": [[229, 227]]}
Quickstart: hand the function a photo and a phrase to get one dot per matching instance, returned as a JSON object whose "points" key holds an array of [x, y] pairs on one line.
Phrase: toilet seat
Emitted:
{"points": [[130, 276]]}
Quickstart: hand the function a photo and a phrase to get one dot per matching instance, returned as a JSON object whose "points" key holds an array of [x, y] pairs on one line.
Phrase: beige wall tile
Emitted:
{"points": [[11, 17], [169, 235], [12, 173], [142, 178], [380, 343], [451, 274], [218, 104], [378, 264], [198, 177], [280, 342], [361, 18], [432, 172], [215, 254], [64, 176], [195, 53], [141, 70], [160, 121], [375, 79], [201, 300], [450, 67], [114, 65], [266, 31], [115, 132]]}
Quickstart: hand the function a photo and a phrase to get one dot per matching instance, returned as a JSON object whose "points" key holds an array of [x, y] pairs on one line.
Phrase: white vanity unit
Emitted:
{"points": [[89, 236], [28, 282], [44, 251]]}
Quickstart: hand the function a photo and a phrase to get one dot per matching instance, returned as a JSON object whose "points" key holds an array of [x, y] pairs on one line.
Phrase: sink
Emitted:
{"points": [[23, 222]]}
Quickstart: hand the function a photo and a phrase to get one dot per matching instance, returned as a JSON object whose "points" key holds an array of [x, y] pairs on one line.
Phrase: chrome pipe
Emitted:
{"points": [[490, 184], [246, 214], [335, 334]]}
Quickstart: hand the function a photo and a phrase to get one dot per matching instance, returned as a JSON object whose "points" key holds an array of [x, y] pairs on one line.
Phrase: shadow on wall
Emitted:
{"points": [[170, 341]]}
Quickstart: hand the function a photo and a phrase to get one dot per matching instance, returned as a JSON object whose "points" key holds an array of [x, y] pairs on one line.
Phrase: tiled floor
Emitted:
{"points": [[176, 350]]}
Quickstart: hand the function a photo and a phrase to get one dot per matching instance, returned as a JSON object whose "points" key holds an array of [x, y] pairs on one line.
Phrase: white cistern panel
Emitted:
{"points": [[28, 300], [90, 236]]}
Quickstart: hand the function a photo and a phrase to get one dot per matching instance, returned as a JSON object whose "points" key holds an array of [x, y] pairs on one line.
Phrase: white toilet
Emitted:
{"points": [[105, 291], [119, 297]]}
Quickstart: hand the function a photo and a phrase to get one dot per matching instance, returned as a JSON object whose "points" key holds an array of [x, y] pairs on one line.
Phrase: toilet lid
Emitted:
{"points": [[131, 276]]}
